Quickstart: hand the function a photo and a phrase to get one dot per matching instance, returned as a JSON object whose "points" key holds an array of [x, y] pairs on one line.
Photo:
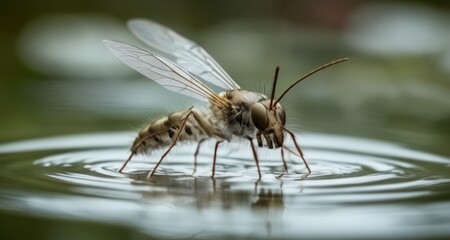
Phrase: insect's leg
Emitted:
{"points": [[215, 157], [210, 131], [291, 151], [298, 148], [126, 162], [284, 161], [255, 156], [196, 154], [177, 136]]}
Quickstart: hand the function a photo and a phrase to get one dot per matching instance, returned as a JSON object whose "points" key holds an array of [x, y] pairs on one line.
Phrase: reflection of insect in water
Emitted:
{"points": [[232, 114]]}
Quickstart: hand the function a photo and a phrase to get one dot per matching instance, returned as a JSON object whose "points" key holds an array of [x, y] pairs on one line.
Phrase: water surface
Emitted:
{"points": [[358, 188]]}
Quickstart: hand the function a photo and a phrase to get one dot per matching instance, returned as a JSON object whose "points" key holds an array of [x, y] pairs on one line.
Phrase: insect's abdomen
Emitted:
{"points": [[162, 132]]}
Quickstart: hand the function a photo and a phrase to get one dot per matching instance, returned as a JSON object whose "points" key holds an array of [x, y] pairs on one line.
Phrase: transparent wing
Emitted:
{"points": [[182, 51], [163, 71]]}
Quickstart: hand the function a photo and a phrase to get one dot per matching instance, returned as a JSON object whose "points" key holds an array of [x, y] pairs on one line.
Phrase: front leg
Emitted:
{"points": [[255, 156], [297, 147]]}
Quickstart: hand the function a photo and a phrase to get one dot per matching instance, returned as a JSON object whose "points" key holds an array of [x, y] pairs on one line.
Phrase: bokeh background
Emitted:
{"points": [[57, 77]]}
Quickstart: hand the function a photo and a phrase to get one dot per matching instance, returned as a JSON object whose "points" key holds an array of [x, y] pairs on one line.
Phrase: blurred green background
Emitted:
{"points": [[58, 78]]}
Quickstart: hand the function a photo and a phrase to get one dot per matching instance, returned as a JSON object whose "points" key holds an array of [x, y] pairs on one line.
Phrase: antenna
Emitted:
{"points": [[309, 74], [274, 86]]}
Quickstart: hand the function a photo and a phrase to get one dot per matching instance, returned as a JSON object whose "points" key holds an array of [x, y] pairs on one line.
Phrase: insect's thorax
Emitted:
{"points": [[236, 119]]}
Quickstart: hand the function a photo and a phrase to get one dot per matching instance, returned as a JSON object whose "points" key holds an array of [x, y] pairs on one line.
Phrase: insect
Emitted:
{"points": [[182, 66]]}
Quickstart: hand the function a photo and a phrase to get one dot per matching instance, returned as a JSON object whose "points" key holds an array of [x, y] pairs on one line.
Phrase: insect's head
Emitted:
{"points": [[269, 121], [269, 116]]}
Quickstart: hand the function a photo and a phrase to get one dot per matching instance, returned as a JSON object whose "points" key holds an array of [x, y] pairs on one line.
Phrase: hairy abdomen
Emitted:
{"points": [[162, 132]]}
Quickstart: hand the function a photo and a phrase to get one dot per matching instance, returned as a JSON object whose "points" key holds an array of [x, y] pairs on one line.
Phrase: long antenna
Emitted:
{"points": [[309, 74], [272, 96]]}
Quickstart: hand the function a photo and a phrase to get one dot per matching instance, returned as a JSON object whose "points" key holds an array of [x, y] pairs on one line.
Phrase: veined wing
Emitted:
{"points": [[163, 71], [182, 51]]}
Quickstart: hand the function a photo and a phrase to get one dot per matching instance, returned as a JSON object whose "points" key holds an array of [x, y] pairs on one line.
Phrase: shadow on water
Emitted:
{"points": [[358, 187]]}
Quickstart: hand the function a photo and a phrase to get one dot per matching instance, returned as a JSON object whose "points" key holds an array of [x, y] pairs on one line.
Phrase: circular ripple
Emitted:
{"points": [[74, 170]]}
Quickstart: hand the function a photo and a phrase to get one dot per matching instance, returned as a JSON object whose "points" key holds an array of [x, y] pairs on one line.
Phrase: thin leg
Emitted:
{"points": [[284, 160], [215, 157], [196, 154], [291, 151], [255, 156], [126, 162], [298, 148], [183, 125]]}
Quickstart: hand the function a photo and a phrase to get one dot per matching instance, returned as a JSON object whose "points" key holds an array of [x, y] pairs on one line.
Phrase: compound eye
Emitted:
{"points": [[260, 116], [282, 116]]}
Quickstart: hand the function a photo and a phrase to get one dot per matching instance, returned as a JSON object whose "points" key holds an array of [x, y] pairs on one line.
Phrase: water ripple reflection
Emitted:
{"points": [[358, 187]]}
